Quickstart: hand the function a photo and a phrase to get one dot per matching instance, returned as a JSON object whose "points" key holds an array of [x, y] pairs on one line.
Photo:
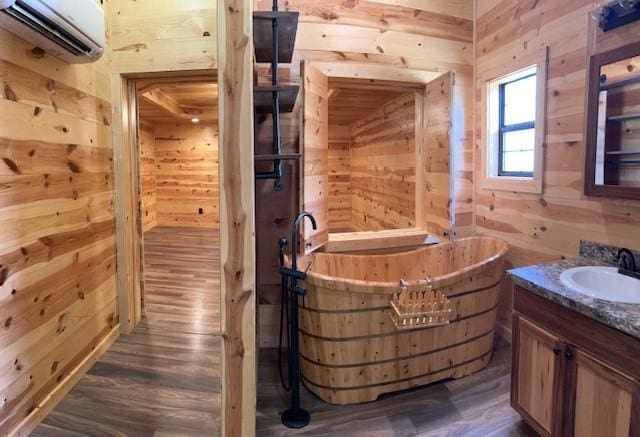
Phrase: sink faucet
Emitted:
{"points": [[627, 263]]}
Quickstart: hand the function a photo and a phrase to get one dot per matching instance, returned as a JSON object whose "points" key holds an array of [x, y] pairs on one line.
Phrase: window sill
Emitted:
{"points": [[515, 184]]}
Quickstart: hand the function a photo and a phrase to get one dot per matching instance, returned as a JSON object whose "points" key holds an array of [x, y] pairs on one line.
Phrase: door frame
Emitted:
{"points": [[129, 226], [237, 211]]}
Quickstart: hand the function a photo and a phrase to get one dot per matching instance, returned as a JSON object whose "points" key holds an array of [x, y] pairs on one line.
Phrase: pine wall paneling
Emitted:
{"points": [[58, 305], [147, 162], [161, 35], [186, 157], [383, 160], [398, 39], [147, 37], [340, 143], [550, 225]]}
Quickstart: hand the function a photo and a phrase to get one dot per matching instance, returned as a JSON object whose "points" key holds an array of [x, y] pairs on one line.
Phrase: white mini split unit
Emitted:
{"points": [[73, 30]]}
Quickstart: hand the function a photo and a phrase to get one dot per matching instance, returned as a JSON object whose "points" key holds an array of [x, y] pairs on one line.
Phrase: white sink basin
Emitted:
{"points": [[602, 283]]}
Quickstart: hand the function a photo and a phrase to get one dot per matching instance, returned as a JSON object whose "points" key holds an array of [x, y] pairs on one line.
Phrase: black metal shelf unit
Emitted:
{"points": [[274, 35]]}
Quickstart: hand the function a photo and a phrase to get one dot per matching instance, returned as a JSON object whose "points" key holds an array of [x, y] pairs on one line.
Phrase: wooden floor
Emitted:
{"points": [[477, 405], [164, 378]]}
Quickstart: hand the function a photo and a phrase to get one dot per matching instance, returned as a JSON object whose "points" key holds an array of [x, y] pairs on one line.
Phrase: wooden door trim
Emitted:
{"points": [[129, 226]]}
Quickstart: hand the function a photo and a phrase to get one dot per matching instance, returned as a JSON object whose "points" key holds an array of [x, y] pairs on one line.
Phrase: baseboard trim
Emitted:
{"points": [[504, 332], [49, 403]]}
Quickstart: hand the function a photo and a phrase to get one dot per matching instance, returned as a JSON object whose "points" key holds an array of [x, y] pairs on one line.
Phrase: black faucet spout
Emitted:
{"points": [[626, 261], [294, 235]]}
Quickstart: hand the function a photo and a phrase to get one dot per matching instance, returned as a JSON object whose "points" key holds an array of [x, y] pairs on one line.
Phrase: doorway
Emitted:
{"points": [[178, 197], [163, 377]]}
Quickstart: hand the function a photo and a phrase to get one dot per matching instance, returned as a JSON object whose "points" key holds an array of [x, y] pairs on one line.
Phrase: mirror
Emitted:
{"points": [[613, 124]]}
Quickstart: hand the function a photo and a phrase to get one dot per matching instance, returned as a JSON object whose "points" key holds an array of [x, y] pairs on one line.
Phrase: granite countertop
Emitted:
{"points": [[544, 280]]}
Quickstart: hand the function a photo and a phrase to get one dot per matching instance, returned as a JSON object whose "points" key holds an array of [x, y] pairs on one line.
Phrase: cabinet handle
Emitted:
{"points": [[568, 354], [557, 350]]}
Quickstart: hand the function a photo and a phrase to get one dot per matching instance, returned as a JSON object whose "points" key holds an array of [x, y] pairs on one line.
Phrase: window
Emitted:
{"points": [[517, 106], [513, 149]]}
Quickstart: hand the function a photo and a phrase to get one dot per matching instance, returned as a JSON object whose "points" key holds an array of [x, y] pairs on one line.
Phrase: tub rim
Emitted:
{"points": [[360, 286]]}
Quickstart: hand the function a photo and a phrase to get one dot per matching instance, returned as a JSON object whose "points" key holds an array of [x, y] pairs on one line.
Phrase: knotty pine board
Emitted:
{"points": [[356, 39], [340, 143], [186, 159], [548, 226], [147, 172], [58, 308], [161, 35], [383, 167]]}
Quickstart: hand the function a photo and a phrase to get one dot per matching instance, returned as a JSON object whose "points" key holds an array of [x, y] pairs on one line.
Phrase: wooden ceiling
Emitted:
{"points": [[173, 102], [351, 100]]}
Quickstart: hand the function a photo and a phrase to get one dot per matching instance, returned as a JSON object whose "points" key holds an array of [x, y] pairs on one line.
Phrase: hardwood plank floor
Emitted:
{"points": [[164, 378], [477, 405]]}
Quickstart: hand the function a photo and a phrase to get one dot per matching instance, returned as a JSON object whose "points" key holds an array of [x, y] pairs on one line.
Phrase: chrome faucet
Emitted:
{"points": [[627, 263]]}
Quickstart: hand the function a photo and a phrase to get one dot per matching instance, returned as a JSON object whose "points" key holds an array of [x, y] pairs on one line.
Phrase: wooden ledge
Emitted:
{"points": [[378, 240]]}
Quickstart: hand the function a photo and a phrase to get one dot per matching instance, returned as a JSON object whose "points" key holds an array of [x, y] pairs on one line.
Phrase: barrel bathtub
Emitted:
{"points": [[350, 349]]}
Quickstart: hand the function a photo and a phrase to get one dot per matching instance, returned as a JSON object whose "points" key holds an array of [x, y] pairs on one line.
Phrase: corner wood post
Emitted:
{"points": [[235, 77]]}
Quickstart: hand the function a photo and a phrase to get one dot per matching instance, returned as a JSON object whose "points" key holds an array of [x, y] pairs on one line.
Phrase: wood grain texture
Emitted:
{"points": [[186, 171], [161, 35], [383, 167], [182, 279], [339, 161], [475, 405], [394, 39], [595, 383], [437, 215], [170, 365], [548, 226], [183, 100], [58, 308], [147, 166], [536, 372], [315, 146], [237, 219], [351, 350]]}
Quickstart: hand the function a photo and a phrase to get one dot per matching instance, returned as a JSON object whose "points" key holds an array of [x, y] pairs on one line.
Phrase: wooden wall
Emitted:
{"points": [[161, 35], [147, 172], [340, 143], [186, 161], [550, 225], [383, 167], [385, 38], [58, 308]]}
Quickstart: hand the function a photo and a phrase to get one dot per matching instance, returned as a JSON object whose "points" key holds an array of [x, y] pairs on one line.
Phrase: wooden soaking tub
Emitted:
{"points": [[351, 352]]}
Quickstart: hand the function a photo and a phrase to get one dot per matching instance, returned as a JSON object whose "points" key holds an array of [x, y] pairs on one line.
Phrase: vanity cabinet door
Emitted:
{"points": [[605, 402], [536, 376]]}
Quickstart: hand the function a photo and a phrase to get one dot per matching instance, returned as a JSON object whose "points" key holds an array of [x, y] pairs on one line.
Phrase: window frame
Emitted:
{"points": [[503, 128], [488, 110]]}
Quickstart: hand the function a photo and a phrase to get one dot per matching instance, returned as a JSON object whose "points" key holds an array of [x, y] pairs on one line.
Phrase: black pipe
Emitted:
{"points": [[295, 417], [275, 35]]}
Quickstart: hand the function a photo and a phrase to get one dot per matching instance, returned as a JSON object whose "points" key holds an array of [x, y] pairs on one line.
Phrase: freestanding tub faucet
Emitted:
{"points": [[294, 417]]}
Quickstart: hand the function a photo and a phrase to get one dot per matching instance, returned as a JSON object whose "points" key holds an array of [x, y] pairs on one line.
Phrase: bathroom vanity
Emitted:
{"points": [[576, 358]]}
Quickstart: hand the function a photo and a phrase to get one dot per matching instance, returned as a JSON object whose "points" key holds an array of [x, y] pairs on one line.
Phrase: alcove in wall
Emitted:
{"points": [[376, 159]]}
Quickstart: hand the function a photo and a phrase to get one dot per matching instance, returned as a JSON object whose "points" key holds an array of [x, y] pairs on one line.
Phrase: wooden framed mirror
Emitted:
{"points": [[612, 166]]}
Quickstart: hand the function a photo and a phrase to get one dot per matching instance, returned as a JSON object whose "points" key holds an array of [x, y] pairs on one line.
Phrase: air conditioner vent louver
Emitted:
{"points": [[72, 30], [37, 22]]}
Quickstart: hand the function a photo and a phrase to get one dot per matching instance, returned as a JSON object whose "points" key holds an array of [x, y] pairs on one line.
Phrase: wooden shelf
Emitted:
{"points": [[624, 117], [263, 32], [263, 100], [281, 157]]}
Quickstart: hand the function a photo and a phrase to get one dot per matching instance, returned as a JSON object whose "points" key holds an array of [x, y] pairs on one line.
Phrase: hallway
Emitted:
{"points": [[169, 367]]}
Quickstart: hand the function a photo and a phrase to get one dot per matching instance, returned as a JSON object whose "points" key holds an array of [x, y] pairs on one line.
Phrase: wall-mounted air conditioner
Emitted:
{"points": [[73, 30]]}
